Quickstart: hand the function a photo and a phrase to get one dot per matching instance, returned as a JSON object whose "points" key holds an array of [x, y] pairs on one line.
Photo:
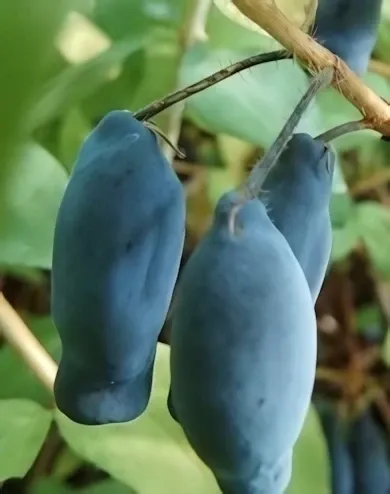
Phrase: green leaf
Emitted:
{"points": [[149, 454], [66, 463], [218, 182], [369, 322], [32, 276], [79, 81], [253, 105], [27, 32], [383, 42], [311, 462], [28, 208], [120, 18], [345, 240], [224, 33], [345, 226], [339, 186], [120, 92], [50, 486], [233, 156], [374, 225], [162, 59], [19, 381], [23, 428], [107, 487], [72, 133], [368, 315], [342, 209]]}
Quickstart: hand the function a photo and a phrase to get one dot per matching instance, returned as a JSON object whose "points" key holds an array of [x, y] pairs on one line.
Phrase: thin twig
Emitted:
{"points": [[379, 67], [18, 335], [261, 170], [268, 16], [376, 180], [343, 129], [380, 400], [195, 30], [331, 376], [160, 105]]}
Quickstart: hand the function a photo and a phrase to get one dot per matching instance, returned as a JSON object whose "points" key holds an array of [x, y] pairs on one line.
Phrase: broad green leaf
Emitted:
{"points": [[383, 42], [50, 486], [336, 110], [339, 185], [230, 11], [219, 181], [23, 429], [345, 240], [310, 462], [66, 463], [27, 32], [368, 315], [374, 226], [120, 92], [73, 130], [107, 487], [234, 154], [342, 208], [162, 60], [253, 105], [23, 273], [120, 18], [17, 380], [378, 83], [149, 454], [79, 81], [295, 10], [369, 322], [224, 32], [345, 226], [28, 207]]}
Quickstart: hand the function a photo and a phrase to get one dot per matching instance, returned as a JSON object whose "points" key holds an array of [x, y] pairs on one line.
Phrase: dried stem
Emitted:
{"points": [[24, 342], [266, 15], [380, 68], [373, 182], [160, 105]]}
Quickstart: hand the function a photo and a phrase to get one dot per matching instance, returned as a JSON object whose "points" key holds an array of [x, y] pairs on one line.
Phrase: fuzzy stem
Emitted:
{"points": [[162, 104], [261, 170], [343, 129]]}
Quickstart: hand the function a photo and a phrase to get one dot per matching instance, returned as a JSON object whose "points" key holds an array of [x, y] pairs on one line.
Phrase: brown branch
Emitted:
{"points": [[266, 15], [18, 335]]}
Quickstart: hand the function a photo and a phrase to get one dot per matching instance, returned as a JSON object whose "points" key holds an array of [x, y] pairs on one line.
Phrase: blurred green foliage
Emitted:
{"points": [[64, 64]]}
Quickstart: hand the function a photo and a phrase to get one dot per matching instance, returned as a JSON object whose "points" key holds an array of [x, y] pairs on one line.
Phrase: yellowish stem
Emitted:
{"points": [[18, 335]]}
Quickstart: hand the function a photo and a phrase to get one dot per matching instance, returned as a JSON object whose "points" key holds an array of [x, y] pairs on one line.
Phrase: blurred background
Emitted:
{"points": [[64, 65]]}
